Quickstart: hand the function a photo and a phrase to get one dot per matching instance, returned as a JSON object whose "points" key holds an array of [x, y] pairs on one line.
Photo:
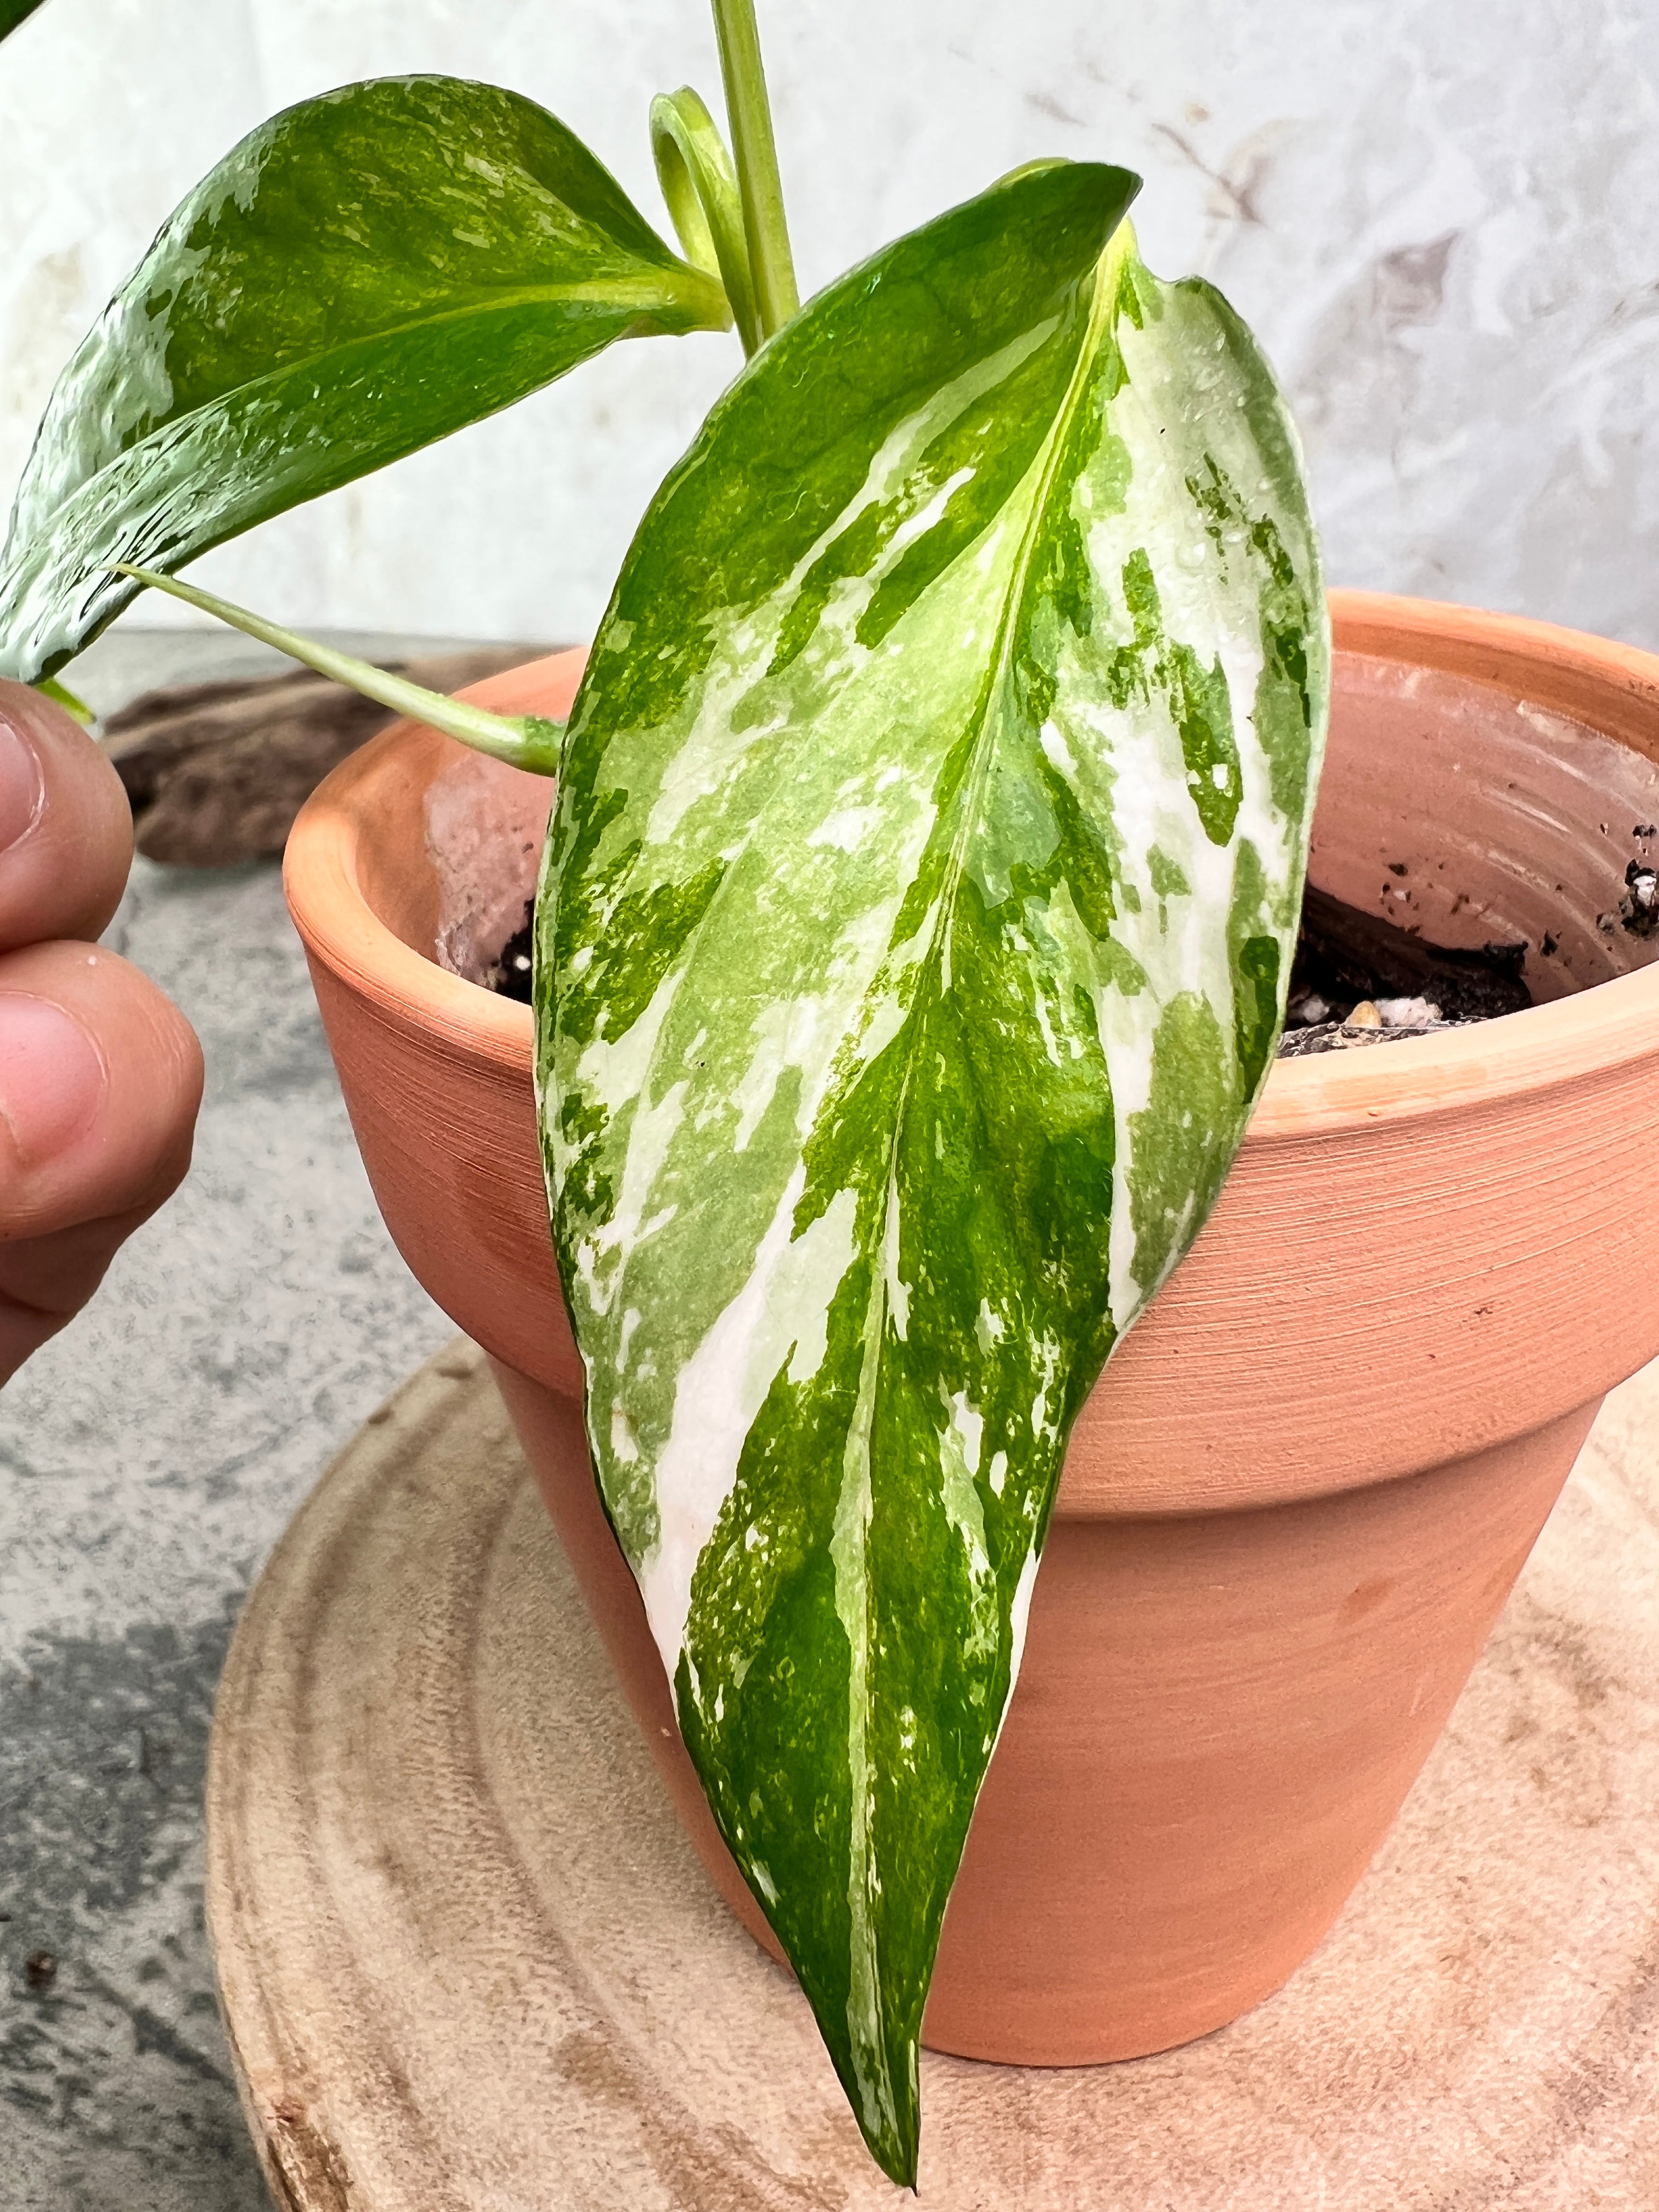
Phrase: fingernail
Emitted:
{"points": [[20, 787], [52, 1077]]}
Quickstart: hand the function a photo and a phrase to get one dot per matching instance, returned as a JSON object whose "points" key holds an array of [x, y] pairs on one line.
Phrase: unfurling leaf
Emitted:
{"points": [[362, 274], [912, 943]]}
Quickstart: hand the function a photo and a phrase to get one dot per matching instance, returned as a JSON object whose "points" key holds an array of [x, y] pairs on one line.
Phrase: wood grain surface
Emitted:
{"points": [[467, 1960]]}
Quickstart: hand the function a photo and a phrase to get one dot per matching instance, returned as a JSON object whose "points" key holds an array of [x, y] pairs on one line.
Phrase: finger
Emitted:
{"points": [[46, 1281], [101, 1076], [65, 827]]}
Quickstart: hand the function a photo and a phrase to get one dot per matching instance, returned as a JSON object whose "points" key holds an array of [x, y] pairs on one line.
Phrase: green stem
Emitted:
{"points": [[696, 173], [60, 694], [526, 741], [750, 115]]}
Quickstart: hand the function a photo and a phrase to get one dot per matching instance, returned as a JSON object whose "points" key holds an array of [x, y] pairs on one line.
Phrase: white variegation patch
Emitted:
{"points": [[778, 1316], [1209, 601]]}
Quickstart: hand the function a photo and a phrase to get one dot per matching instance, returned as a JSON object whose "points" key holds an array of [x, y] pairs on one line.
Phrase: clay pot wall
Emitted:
{"points": [[1295, 1501]]}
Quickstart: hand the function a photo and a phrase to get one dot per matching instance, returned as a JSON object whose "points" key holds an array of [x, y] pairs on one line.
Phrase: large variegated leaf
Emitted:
{"points": [[363, 274], [911, 947]]}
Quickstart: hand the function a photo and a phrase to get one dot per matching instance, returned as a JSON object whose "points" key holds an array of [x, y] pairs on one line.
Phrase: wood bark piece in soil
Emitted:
{"points": [[469, 1961], [215, 772]]}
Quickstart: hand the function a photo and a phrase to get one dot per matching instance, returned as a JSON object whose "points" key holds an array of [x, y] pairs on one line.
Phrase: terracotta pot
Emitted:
{"points": [[1297, 1500]]}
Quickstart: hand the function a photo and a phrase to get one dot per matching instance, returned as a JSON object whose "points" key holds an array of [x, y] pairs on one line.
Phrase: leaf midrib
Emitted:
{"points": [[955, 860], [974, 790], [700, 291], [876, 1313]]}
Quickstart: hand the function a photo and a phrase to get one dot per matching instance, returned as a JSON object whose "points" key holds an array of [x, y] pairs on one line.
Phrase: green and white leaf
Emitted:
{"points": [[365, 273], [912, 943]]}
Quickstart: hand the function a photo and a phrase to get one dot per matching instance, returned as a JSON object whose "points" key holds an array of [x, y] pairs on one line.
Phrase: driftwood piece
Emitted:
{"points": [[469, 1961], [215, 772]]}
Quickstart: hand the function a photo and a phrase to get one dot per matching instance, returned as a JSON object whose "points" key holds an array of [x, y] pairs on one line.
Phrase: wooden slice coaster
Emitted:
{"points": [[467, 1961]]}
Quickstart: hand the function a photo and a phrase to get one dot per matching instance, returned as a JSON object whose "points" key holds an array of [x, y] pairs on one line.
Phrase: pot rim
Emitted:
{"points": [[1537, 1049]]}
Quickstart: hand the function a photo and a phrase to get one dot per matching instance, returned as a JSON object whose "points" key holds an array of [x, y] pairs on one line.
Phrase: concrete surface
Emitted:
{"points": [[149, 1458]]}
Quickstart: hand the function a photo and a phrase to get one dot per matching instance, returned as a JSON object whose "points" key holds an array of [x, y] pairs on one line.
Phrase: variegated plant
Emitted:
{"points": [[916, 915]]}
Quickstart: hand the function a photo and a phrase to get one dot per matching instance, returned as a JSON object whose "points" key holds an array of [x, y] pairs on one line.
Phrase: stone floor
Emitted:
{"points": [[148, 1459]]}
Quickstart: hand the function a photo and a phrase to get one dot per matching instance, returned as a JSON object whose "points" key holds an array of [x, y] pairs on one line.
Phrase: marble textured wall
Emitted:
{"points": [[1439, 218]]}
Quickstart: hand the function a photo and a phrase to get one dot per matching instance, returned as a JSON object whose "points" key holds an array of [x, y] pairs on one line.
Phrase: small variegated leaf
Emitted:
{"points": [[911, 945], [363, 274]]}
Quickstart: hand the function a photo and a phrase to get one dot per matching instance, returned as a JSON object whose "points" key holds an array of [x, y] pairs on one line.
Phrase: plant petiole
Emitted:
{"points": [[749, 114], [50, 687], [526, 741]]}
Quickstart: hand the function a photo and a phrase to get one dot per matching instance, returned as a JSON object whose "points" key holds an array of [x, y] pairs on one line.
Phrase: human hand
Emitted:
{"points": [[100, 1075]]}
